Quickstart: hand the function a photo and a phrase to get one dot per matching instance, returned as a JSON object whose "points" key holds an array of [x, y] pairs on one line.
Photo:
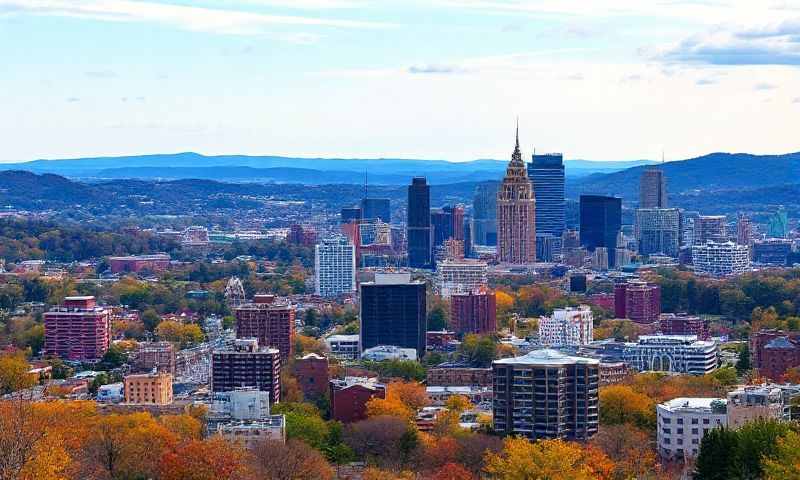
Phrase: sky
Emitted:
{"points": [[433, 79]]}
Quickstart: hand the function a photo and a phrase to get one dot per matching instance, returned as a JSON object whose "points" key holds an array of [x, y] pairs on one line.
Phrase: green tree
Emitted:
{"points": [[719, 455], [757, 440], [743, 363], [150, 319], [479, 350]]}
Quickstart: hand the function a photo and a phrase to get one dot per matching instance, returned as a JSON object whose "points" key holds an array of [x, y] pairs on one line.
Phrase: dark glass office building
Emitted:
{"points": [[547, 175], [393, 312], [419, 224], [376, 208], [350, 214], [601, 220]]}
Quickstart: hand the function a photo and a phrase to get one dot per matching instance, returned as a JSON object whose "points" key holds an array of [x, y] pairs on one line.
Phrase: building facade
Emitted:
{"points": [[721, 259], [546, 394], [148, 389], [349, 397], [652, 189], [672, 353], [474, 312], [600, 223], [637, 301], [709, 228], [458, 276], [419, 236], [516, 214], [376, 209], [136, 263], [683, 324], [243, 416], [683, 422], [484, 214], [158, 356], [567, 327], [546, 172], [77, 330], [247, 365], [393, 312], [334, 267], [657, 230], [311, 372], [270, 320], [783, 352], [454, 376], [344, 347]]}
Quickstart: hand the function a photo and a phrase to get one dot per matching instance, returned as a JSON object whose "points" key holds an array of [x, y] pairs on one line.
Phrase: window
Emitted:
{"points": [[680, 431], [667, 430], [694, 421], [694, 431], [667, 420], [680, 421], [680, 441], [666, 441], [705, 421], [695, 441]]}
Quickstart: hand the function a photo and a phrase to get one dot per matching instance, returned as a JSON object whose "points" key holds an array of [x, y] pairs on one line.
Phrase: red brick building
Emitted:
{"points": [[270, 320], [77, 330], [683, 324], [302, 235], [349, 398], [439, 340], [458, 376], [158, 356], [473, 312], [137, 263], [774, 351], [637, 301], [311, 372]]}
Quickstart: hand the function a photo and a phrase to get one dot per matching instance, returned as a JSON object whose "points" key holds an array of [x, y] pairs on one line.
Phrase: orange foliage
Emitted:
{"points": [[453, 471], [622, 404], [403, 399], [203, 460], [551, 459]]}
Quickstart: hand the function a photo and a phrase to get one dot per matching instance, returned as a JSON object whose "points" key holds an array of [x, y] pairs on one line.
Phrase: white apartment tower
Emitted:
{"points": [[720, 259], [460, 276], [334, 267], [567, 327]]}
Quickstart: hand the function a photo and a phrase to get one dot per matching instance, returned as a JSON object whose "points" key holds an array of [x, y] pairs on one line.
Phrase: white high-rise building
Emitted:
{"points": [[720, 259], [334, 267], [683, 422], [460, 276], [567, 327]]}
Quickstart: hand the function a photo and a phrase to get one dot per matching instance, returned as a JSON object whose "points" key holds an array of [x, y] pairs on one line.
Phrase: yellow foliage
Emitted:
{"points": [[550, 459]]}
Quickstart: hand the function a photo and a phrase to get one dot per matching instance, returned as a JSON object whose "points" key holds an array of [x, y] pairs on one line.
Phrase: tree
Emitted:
{"points": [[384, 440], [550, 459], [311, 429], [150, 319], [757, 440], [626, 446], [743, 363], [212, 459], [479, 350], [785, 463], [14, 374], [20, 434], [294, 460], [622, 404], [719, 455], [453, 471]]}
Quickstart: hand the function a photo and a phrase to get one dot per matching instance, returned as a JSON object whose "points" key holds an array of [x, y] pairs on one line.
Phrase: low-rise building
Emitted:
{"points": [[683, 324], [388, 352], [683, 422], [721, 259], [311, 372], [349, 397], [447, 375], [567, 327], [243, 415], [753, 402], [148, 389], [136, 263], [476, 394], [671, 353], [344, 347], [111, 393]]}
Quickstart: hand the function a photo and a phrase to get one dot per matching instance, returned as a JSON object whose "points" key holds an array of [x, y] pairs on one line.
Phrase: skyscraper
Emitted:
{"points": [[744, 230], [484, 213], [516, 213], [393, 312], [652, 189], [334, 267], [601, 220], [547, 175], [419, 224], [709, 228], [657, 230], [778, 225], [270, 320], [376, 209]]}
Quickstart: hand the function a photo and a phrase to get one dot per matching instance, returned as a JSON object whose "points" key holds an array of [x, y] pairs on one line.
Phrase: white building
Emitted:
{"points": [[388, 352], [720, 259], [111, 393], [460, 276], [243, 415], [567, 327], [334, 267], [672, 353], [344, 347], [682, 423], [600, 258], [657, 230]]}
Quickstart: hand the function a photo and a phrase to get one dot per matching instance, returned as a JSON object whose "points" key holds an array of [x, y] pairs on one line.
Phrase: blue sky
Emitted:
{"points": [[445, 79]]}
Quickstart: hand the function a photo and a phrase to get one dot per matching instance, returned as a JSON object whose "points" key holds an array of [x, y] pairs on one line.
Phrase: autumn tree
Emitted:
{"points": [[785, 463], [403, 400], [212, 459], [14, 374], [550, 459], [452, 471], [293, 460], [621, 404], [630, 450], [383, 440]]}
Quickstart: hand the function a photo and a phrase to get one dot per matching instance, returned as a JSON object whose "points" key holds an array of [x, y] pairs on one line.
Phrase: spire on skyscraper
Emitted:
{"points": [[517, 155]]}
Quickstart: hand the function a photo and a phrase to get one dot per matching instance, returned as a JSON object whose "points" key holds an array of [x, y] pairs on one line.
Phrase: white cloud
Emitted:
{"points": [[224, 21]]}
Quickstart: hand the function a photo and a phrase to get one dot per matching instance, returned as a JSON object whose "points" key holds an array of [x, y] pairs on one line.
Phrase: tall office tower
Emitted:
{"points": [[546, 394], [547, 175], [778, 225], [688, 219], [657, 230], [709, 228], [350, 214], [567, 327], [442, 225], [473, 312], [247, 364], [516, 214], [637, 301], [456, 221], [334, 267], [484, 211], [376, 209], [652, 189], [393, 312], [419, 224], [744, 230], [467, 232], [601, 221], [77, 330], [269, 320]]}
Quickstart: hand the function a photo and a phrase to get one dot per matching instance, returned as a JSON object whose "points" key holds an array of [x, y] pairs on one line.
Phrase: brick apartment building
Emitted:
{"points": [[247, 365], [158, 356], [349, 397], [269, 319], [637, 301], [774, 351], [459, 376], [683, 324], [77, 330], [473, 312], [311, 372], [148, 389], [136, 263]]}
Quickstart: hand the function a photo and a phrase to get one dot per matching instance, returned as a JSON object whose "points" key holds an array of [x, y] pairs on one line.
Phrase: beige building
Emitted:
{"points": [[754, 402], [516, 214], [149, 389]]}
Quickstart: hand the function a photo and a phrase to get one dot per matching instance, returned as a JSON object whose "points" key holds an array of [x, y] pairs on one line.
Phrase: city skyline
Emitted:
{"points": [[317, 78]]}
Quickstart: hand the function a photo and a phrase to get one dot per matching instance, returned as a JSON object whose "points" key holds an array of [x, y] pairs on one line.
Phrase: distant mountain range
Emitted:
{"points": [[276, 169]]}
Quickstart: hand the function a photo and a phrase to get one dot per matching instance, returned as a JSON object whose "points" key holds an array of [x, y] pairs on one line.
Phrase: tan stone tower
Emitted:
{"points": [[516, 213]]}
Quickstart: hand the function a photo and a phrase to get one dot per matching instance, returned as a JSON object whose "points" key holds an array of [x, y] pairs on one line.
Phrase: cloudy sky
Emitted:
{"points": [[599, 79]]}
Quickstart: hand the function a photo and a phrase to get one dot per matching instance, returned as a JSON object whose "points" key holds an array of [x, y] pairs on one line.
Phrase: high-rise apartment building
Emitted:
{"points": [[247, 365], [721, 259], [546, 394], [334, 267], [637, 301], [419, 235], [473, 312], [567, 327], [652, 188], [484, 214], [441, 225], [709, 228], [546, 172], [657, 230], [516, 214], [744, 230], [393, 312], [77, 330], [601, 221], [464, 275], [376, 209], [269, 319]]}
